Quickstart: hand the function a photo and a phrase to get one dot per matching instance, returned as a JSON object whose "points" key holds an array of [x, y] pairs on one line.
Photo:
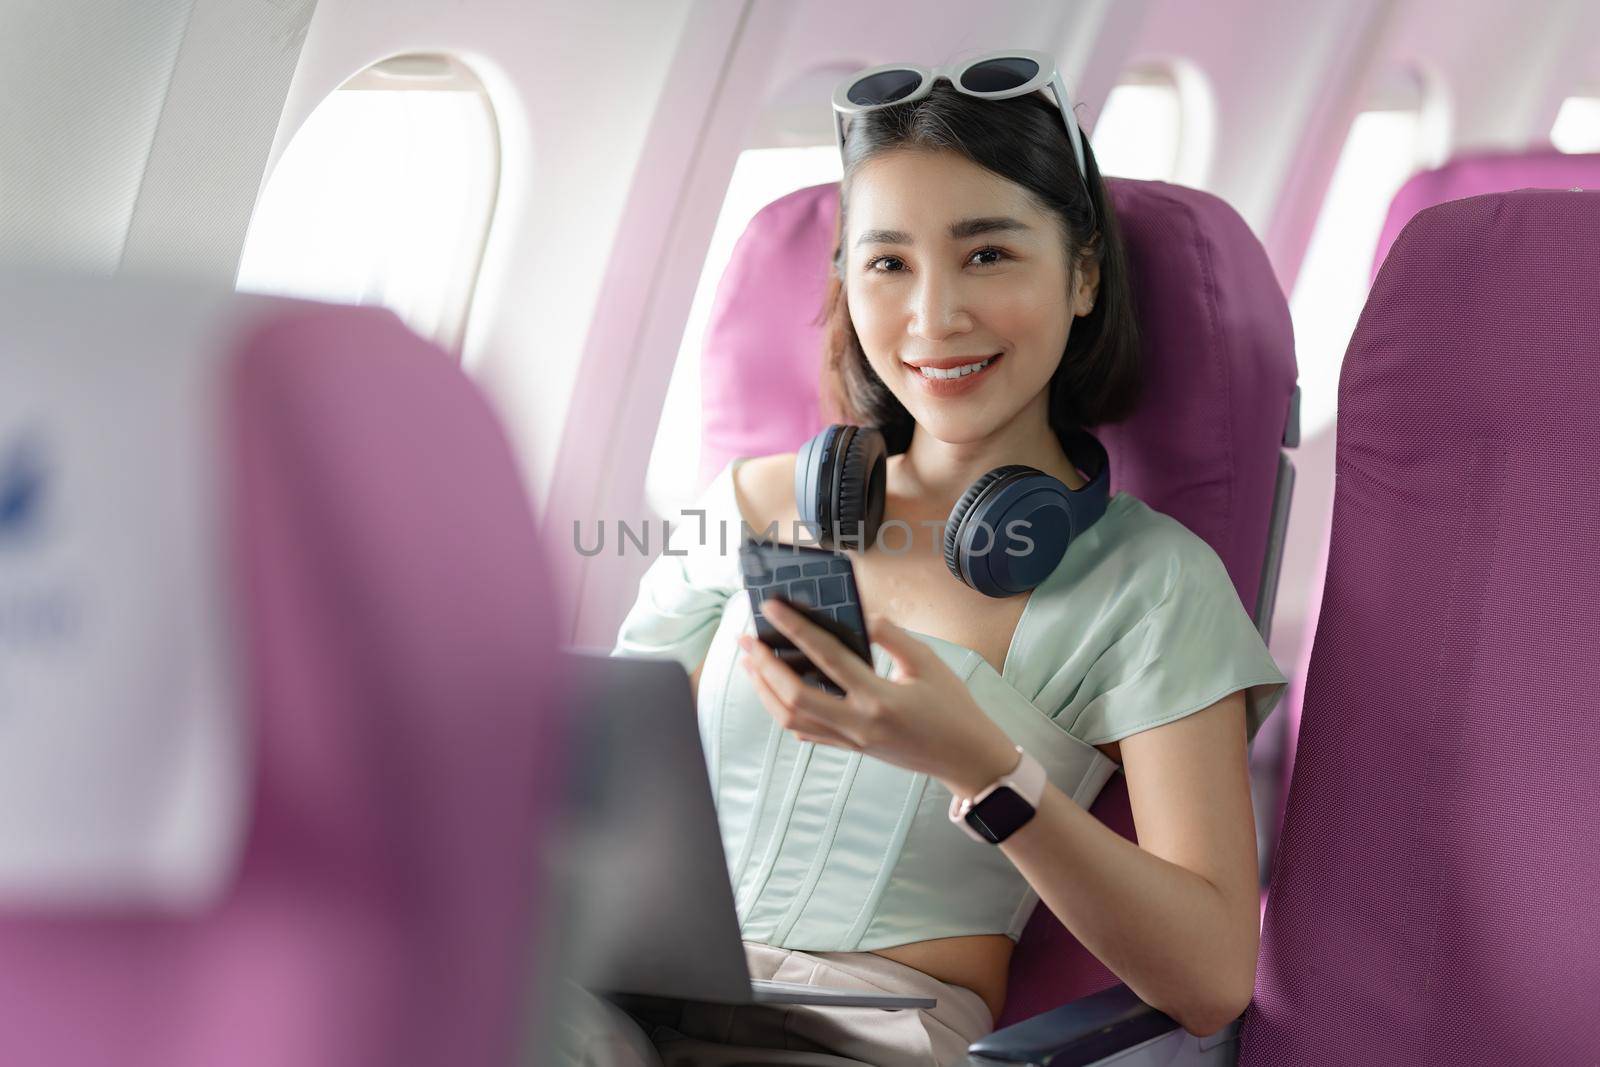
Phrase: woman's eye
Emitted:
{"points": [[872, 265]]}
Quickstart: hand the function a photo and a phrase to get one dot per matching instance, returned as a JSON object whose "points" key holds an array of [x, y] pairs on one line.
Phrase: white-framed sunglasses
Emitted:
{"points": [[991, 76]]}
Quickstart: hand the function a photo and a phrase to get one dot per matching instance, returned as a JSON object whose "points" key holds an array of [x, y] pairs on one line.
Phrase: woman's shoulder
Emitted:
{"points": [[1168, 634], [763, 488], [1165, 545]]}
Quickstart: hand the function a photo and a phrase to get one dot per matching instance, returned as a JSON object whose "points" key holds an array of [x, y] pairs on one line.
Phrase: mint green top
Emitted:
{"points": [[831, 851]]}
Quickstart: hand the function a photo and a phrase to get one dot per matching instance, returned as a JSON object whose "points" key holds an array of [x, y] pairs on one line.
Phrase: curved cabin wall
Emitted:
{"points": [[133, 136]]}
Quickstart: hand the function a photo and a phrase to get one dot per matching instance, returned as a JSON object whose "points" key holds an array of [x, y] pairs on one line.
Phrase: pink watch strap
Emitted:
{"points": [[1027, 779]]}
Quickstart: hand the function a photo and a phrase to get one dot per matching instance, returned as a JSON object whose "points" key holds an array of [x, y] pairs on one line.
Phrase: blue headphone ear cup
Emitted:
{"points": [[861, 488], [813, 480], [952, 526], [958, 514]]}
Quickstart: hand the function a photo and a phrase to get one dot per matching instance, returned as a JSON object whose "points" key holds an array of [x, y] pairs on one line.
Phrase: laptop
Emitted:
{"points": [[651, 905]]}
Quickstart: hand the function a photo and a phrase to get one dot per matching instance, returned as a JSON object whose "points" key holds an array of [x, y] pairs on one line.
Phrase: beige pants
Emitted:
{"points": [[596, 1033]]}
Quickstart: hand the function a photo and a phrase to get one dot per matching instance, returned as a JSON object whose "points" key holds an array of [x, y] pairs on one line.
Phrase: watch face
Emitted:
{"points": [[999, 815]]}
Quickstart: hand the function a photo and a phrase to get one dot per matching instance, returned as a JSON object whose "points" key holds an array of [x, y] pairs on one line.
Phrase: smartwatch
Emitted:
{"points": [[1005, 806]]}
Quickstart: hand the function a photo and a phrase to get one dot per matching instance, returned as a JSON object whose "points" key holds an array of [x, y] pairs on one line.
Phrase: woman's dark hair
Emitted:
{"points": [[1020, 139]]}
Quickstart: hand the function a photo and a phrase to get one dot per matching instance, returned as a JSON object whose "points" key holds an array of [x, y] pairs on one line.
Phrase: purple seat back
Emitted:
{"points": [[759, 384], [1489, 172], [395, 634], [1472, 175], [1435, 895], [1203, 447]]}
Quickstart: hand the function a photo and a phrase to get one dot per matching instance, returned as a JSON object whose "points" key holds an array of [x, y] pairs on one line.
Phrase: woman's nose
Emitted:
{"points": [[938, 309]]}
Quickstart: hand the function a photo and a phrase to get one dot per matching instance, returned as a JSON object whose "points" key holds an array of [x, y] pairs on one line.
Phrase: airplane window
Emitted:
{"points": [[1138, 130], [761, 176], [384, 196], [1156, 125], [1577, 127], [1384, 148]]}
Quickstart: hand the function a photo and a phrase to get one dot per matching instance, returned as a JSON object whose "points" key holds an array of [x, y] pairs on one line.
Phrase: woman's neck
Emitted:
{"points": [[940, 471]]}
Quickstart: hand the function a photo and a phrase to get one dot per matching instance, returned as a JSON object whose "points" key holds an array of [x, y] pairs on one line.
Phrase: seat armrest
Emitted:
{"points": [[1080, 1033]]}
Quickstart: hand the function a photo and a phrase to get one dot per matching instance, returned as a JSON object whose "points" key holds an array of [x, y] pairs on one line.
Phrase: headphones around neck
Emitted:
{"points": [[839, 488]]}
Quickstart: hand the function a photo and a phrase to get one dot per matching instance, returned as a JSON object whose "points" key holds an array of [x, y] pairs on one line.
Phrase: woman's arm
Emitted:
{"points": [[1176, 916], [694, 684]]}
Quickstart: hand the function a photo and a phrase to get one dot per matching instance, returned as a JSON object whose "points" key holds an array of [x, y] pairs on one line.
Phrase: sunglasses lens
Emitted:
{"points": [[885, 87], [998, 75]]}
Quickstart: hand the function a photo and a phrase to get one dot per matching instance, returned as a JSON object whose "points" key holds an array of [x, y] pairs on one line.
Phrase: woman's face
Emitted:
{"points": [[949, 264]]}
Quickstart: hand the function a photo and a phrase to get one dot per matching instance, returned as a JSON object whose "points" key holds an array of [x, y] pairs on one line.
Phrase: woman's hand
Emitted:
{"points": [[923, 719]]}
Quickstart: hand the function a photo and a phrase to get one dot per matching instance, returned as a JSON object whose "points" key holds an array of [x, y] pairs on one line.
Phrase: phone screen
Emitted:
{"points": [[818, 582]]}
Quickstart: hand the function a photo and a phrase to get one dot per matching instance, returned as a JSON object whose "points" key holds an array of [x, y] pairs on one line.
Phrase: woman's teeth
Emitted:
{"points": [[955, 372]]}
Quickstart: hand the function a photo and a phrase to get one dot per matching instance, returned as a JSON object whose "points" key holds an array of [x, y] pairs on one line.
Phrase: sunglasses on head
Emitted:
{"points": [[992, 76]]}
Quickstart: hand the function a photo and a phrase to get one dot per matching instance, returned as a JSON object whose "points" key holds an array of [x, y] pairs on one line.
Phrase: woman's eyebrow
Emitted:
{"points": [[958, 230]]}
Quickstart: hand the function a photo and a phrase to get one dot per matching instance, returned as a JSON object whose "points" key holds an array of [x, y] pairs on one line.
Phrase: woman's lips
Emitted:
{"points": [[942, 387]]}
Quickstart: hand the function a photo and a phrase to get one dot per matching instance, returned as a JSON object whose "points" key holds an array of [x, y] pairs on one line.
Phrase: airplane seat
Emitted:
{"points": [[1468, 175], [299, 600], [1485, 172], [1205, 446], [1433, 899]]}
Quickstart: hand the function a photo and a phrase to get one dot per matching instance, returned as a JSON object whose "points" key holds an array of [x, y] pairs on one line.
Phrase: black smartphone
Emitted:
{"points": [[818, 582]]}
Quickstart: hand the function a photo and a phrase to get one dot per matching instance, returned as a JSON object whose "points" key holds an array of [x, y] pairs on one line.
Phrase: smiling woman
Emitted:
{"points": [[1017, 289], [991, 254], [979, 317]]}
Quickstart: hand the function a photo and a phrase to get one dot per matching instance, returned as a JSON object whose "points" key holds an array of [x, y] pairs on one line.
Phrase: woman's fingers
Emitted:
{"points": [[850, 717], [911, 656], [785, 684], [821, 647], [804, 726]]}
